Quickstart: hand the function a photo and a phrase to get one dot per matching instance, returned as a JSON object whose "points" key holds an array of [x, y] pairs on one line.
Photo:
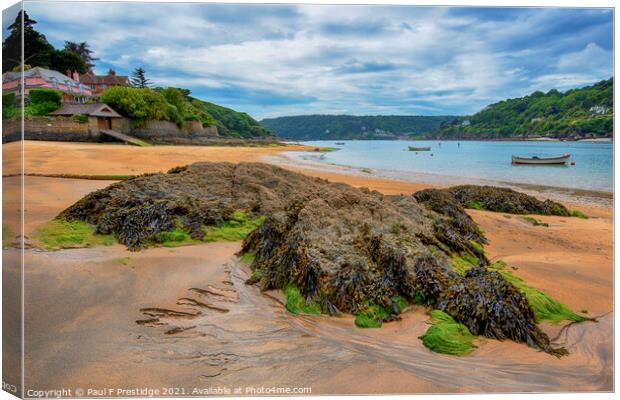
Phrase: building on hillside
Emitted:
{"points": [[99, 83], [100, 116], [72, 90]]}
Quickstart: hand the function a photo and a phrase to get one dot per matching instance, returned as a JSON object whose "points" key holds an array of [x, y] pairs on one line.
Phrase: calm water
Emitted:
{"points": [[593, 168]]}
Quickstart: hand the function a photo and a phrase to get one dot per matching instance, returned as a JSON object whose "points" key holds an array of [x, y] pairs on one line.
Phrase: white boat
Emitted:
{"points": [[411, 148], [560, 160]]}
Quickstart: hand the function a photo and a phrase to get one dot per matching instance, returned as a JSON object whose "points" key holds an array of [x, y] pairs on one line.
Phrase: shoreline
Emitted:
{"points": [[509, 139], [584, 197]]}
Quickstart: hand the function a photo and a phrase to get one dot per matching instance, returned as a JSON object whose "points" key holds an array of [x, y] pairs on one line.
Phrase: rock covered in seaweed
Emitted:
{"points": [[456, 226], [343, 248], [490, 306], [504, 200], [198, 195]]}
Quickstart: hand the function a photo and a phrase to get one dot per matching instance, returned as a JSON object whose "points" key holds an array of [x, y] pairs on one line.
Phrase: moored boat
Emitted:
{"points": [[559, 160], [411, 148]]}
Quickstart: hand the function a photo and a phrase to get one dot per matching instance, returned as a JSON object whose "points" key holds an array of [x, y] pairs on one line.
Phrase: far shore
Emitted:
{"points": [[609, 139]]}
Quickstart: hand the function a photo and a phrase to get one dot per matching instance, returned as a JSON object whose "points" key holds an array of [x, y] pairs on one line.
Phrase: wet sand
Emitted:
{"points": [[203, 327], [54, 158]]}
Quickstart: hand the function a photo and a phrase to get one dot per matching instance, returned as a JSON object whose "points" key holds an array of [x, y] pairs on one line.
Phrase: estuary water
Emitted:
{"points": [[450, 161]]}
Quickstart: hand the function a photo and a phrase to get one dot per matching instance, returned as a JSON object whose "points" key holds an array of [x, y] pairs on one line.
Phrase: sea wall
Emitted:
{"points": [[166, 132], [48, 128], [152, 131]]}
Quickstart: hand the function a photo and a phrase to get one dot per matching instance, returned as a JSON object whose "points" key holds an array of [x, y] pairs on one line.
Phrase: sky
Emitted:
{"points": [[276, 60]]}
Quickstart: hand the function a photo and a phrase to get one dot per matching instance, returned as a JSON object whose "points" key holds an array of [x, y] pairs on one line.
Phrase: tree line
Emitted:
{"points": [[334, 127]]}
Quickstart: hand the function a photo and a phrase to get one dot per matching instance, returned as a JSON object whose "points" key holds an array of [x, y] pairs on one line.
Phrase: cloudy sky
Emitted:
{"points": [[275, 60]]}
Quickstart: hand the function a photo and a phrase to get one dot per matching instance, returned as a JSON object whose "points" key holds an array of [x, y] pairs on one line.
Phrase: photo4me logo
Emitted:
{"points": [[8, 387]]}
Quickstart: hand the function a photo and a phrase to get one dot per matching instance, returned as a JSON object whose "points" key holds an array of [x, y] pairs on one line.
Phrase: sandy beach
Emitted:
{"points": [[201, 326]]}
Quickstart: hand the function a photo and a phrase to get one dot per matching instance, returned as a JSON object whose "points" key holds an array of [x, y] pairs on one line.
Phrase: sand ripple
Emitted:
{"points": [[257, 341]]}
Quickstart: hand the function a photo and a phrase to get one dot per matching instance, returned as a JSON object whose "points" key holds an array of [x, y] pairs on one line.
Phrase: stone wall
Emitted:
{"points": [[153, 131], [168, 132], [122, 125], [48, 128], [11, 130]]}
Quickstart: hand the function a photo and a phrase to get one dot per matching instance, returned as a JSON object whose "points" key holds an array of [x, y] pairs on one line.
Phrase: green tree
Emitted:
{"points": [[18, 68], [43, 101], [9, 109], [37, 49], [139, 78], [62, 60], [177, 109], [138, 104], [175, 97], [82, 49]]}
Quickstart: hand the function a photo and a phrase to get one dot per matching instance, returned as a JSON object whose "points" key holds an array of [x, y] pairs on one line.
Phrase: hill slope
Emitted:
{"points": [[230, 122], [331, 127], [587, 111]]}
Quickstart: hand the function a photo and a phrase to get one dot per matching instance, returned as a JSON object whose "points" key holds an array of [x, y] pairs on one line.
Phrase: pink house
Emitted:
{"points": [[37, 78]]}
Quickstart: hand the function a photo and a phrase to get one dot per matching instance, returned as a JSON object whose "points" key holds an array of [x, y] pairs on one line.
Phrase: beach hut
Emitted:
{"points": [[100, 116]]}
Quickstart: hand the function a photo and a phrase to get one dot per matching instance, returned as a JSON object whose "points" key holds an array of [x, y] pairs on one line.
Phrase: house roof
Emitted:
{"points": [[95, 110], [90, 78], [44, 73]]}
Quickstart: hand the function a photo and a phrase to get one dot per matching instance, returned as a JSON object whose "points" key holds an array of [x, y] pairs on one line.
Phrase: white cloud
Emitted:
{"points": [[351, 59], [591, 58]]}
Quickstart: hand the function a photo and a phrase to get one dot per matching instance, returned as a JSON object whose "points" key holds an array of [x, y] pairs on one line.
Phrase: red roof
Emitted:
{"points": [[90, 78]]}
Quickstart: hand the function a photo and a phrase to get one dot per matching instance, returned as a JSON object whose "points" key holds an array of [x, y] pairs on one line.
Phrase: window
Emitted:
{"points": [[54, 82], [69, 86], [81, 88], [104, 86]]}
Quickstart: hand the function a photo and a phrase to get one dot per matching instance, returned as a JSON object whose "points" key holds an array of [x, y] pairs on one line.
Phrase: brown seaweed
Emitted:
{"points": [[505, 200]]}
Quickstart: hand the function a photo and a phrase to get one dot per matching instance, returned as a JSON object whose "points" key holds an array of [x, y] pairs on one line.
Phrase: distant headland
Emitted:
{"points": [[580, 113]]}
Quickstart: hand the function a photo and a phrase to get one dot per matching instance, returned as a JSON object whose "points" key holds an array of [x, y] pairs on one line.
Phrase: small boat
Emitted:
{"points": [[560, 160], [411, 148], [340, 143]]}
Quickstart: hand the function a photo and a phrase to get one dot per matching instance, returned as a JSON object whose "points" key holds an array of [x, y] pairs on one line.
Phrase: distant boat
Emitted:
{"points": [[411, 148], [560, 160], [340, 143]]}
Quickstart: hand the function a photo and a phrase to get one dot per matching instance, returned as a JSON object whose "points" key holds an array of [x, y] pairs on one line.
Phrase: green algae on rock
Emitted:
{"points": [[445, 335], [374, 315], [63, 234], [477, 308], [544, 307], [297, 304], [237, 227], [535, 222]]}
